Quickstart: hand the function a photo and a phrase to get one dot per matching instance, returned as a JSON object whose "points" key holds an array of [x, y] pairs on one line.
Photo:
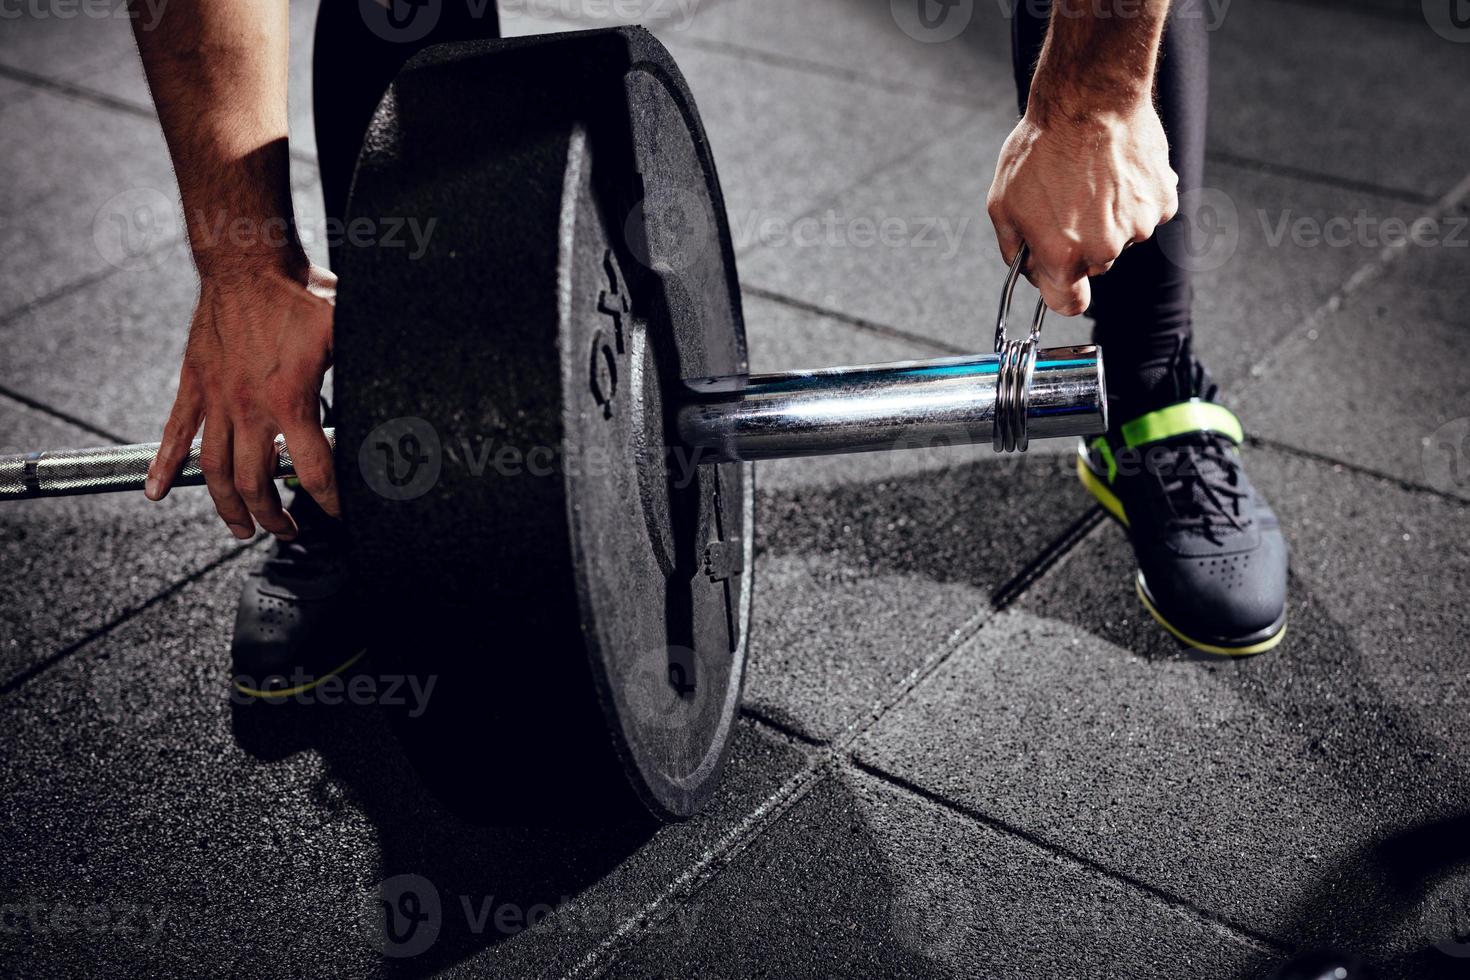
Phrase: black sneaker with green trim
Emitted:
{"points": [[1211, 556], [296, 624]]}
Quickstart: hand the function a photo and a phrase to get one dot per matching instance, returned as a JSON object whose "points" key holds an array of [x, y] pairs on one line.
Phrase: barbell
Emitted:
{"points": [[546, 425]]}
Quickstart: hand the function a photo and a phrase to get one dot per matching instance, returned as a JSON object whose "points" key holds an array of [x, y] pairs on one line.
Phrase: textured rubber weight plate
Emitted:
{"points": [[581, 594]]}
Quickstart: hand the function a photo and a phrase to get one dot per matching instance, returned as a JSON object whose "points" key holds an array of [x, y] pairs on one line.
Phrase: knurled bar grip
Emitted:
{"points": [[106, 469]]}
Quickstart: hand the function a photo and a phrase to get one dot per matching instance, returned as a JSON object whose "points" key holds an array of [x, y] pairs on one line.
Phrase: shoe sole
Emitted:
{"points": [[300, 688], [1246, 646]]}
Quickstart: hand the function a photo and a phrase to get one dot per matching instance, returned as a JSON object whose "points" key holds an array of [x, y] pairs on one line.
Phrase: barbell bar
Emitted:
{"points": [[740, 418]]}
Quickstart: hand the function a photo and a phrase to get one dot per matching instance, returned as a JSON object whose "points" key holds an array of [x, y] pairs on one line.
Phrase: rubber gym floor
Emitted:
{"points": [[966, 750]]}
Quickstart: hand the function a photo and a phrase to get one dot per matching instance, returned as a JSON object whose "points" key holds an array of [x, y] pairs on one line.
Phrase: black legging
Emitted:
{"points": [[360, 46], [1141, 308]]}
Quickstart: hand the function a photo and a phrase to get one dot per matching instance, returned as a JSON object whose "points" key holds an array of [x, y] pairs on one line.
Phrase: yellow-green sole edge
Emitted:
{"points": [[300, 688], [1114, 506]]}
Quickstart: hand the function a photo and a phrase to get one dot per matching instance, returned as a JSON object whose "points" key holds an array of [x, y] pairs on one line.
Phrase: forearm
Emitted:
{"points": [[1099, 56], [218, 72]]}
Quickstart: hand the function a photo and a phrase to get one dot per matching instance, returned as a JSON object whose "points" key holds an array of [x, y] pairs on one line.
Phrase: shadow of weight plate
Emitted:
{"points": [[578, 593]]}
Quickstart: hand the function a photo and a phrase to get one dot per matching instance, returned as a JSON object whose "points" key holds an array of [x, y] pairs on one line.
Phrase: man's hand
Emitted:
{"points": [[261, 336], [1086, 171], [258, 347]]}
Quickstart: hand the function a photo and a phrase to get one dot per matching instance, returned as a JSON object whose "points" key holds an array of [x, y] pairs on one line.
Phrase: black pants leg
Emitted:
{"points": [[359, 48], [1141, 307]]}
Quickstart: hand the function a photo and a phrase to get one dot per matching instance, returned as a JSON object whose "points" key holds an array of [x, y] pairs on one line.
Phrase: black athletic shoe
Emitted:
{"points": [[1211, 555], [296, 624]]}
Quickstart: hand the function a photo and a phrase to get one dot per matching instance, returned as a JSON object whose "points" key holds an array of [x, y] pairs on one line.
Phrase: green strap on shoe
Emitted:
{"points": [[1180, 419], [1166, 423]]}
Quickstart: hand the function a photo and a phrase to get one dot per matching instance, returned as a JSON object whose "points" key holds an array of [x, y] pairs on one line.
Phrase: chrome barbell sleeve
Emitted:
{"points": [[949, 400]]}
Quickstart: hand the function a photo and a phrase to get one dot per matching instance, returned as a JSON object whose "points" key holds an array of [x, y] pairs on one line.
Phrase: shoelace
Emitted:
{"points": [[1201, 482]]}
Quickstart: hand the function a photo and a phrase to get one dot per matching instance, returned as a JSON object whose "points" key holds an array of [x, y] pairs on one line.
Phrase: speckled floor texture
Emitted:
{"points": [[966, 750]]}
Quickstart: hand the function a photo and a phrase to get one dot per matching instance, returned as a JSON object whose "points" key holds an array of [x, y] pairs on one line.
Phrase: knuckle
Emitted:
{"points": [[250, 487], [316, 479], [212, 463]]}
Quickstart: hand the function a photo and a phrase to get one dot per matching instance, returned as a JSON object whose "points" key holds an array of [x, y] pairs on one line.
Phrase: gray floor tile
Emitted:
{"points": [[92, 192], [259, 836], [968, 57], [779, 153], [12, 90], [1350, 94], [864, 879], [943, 279], [109, 352], [1381, 382], [70, 566], [860, 583], [759, 764], [66, 41], [1310, 794]]}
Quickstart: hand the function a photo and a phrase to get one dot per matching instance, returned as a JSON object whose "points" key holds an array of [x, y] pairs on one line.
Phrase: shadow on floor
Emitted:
{"points": [[487, 883]]}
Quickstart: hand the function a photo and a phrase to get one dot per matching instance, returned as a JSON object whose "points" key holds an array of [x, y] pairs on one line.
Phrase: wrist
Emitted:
{"points": [[227, 263], [229, 243], [1058, 99]]}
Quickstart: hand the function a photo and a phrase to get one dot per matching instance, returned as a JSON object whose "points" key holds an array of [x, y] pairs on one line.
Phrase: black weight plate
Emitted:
{"points": [[581, 594]]}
